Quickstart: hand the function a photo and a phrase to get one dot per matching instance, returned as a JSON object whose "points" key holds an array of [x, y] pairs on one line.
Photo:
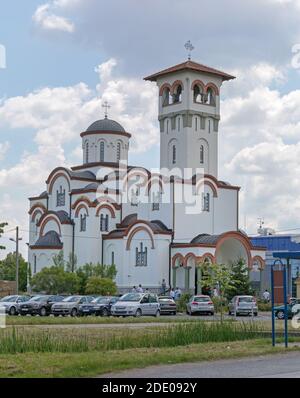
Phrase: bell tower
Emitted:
{"points": [[189, 115]]}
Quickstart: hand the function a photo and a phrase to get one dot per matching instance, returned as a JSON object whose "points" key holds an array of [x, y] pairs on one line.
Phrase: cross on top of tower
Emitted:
{"points": [[107, 107], [189, 47]]}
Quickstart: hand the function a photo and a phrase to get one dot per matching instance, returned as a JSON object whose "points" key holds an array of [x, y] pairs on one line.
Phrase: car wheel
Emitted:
{"points": [[74, 312], [138, 313], [157, 314], [280, 314], [212, 313], [104, 312], [175, 313], [12, 311], [43, 311], [255, 313]]}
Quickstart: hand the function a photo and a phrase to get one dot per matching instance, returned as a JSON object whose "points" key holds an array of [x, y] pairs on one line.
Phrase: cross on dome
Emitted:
{"points": [[107, 107], [189, 47]]}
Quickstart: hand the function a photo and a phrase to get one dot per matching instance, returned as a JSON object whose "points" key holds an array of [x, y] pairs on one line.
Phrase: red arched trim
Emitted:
{"points": [[38, 205], [81, 206], [46, 220], [144, 176], [37, 211], [174, 259], [187, 257], [213, 87], [163, 87], [55, 177], [175, 85], [198, 83], [108, 207], [156, 179], [108, 201], [83, 199], [260, 260], [240, 237], [136, 230], [210, 184], [206, 256]]}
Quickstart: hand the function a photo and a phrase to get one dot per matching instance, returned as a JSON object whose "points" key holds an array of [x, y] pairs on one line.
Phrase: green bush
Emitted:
{"points": [[101, 286], [263, 306], [182, 302]]}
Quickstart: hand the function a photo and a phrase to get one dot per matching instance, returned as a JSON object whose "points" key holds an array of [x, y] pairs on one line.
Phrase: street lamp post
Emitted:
{"points": [[17, 258]]}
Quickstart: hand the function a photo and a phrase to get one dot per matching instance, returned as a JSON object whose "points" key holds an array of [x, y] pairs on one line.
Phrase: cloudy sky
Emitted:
{"points": [[64, 57]]}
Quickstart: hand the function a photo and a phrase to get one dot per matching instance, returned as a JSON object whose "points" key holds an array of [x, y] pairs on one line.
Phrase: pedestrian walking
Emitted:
{"points": [[163, 287], [266, 296], [140, 289], [172, 293]]}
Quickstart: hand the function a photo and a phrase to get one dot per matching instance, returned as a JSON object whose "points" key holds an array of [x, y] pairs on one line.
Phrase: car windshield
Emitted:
{"points": [[38, 298], [246, 299], [9, 299], [72, 299], [131, 297], [201, 299], [101, 300]]}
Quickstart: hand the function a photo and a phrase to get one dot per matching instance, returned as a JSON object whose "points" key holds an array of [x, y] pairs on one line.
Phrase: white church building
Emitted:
{"points": [[109, 212]]}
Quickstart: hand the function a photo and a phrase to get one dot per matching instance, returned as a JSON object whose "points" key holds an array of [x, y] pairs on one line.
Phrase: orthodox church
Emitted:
{"points": [[109, 212]]}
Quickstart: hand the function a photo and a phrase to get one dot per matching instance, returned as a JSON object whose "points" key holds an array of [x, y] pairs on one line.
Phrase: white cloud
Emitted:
{"points": [[45, 19]]}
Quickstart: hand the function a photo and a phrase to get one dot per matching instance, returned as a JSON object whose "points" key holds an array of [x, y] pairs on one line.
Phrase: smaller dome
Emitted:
{"points": [[106, 125]]}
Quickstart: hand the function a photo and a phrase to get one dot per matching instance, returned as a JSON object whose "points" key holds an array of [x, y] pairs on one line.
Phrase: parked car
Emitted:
{"points": [[12, 303], [70, 305], [39, 305], [200, 304], [293, 308], [167, 305], [136, 304], [243, 305], [98, 306]]}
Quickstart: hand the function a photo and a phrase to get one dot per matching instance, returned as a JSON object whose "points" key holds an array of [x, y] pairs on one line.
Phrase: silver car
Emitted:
{"points": [[136, 304], [70, 305], [200, 304], [243, 305], [12, 303]]}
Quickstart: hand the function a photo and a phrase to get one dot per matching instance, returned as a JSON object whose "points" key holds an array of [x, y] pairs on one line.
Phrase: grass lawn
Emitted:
{"points": [[95, 363]]}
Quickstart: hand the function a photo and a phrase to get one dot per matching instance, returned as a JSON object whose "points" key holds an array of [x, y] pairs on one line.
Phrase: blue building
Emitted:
{"points": [[278, 243]]}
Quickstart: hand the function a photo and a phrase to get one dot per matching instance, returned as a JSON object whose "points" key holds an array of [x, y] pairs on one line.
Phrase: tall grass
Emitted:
{"points": [[21, 341]]}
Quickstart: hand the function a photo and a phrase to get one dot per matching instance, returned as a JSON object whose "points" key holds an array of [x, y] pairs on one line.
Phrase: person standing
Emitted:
{"points": [[172, 293], [140, 289], [177, 293], [266, 296], [163, 287], [133, 290]]}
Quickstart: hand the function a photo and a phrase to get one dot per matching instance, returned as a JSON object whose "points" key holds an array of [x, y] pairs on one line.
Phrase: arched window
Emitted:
{"points": [[196, 123], [198, 94], [141, 256], [168, 126], [87, 152], [112, 258], [101, 151], [166, 97], [118, 151], [82, 223], [201, 154], [104, 222], [205, 201], [174, 154], [60, 197], [177, 96], [209, 125], [211, 97]]}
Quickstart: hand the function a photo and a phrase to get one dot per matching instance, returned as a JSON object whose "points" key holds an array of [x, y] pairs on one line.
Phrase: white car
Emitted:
{"points": [[136, 304]]}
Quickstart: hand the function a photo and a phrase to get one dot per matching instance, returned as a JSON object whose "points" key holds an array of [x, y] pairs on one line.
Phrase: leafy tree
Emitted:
{"points": [[2, 225], [88, 270], [55, 280], [71, 264], [8, 270], [240, 280], [58, 260], [217, 275], [101, 286]]}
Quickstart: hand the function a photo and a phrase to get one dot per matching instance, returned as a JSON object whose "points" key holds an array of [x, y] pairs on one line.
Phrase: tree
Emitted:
{"points": [[8, 270], [217, 275], [101, 286], [2, 225], [55, 280], [240, 280], [71, 264], [88, 270], [58, 259]]}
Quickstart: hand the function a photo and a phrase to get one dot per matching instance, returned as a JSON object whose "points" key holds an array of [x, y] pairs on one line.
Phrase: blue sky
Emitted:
{"points": [[65, 56]]}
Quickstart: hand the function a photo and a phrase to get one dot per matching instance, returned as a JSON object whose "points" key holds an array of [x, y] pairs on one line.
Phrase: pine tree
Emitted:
{"points": [[240, 280]]}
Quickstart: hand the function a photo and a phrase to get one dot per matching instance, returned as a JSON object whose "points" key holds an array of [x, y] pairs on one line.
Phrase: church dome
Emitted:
{"points": [[106, 125]]}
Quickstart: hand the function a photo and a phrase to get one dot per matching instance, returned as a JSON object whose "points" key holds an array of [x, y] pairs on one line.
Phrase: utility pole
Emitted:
{"points": [[17, 258]]}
